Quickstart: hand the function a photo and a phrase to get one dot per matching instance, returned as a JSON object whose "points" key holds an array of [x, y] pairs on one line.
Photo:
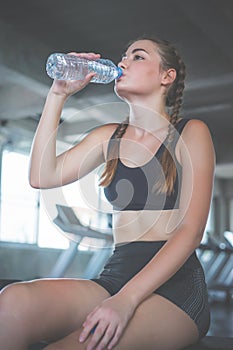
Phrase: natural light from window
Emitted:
{"points": [[25, 214]]}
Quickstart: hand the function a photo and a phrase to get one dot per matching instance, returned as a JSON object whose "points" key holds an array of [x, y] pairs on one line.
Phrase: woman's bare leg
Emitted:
{"points": [[45, 310], [157, 324]]}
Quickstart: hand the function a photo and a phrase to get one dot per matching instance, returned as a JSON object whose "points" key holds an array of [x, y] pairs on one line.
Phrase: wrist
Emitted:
{"points": [[129, 297], [53, 94]]}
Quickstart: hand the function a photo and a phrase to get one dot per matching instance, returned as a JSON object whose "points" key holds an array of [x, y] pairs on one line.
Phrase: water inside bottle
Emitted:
{"points": [[70, 67]]}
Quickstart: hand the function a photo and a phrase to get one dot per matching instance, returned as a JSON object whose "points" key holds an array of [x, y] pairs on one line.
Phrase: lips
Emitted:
{"points": [[122, 76]]}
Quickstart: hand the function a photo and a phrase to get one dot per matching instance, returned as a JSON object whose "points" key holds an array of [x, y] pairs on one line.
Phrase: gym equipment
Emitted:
{"points": [[69, 223], [216, 257]]}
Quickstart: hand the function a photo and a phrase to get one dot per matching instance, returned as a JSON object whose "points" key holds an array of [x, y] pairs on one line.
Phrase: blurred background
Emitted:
{"points": [[55, 233]]}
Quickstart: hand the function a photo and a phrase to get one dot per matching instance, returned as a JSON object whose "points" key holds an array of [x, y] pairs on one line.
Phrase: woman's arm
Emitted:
{"points": [[48, 170], [198, 162]]}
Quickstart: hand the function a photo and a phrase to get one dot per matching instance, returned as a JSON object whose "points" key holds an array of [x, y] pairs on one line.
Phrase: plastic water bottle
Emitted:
{"points": [[69, 67]]}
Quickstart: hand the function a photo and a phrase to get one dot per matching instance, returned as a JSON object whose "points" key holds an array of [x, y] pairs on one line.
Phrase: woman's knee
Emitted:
{"points": [[14, 299], [15, 320]]}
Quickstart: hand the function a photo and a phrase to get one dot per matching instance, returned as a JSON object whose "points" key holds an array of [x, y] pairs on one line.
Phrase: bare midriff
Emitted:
{"points": [[144, 225]]}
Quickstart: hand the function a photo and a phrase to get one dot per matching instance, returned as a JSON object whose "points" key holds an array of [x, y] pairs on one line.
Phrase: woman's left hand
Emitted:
{"points": [[107, 323]]}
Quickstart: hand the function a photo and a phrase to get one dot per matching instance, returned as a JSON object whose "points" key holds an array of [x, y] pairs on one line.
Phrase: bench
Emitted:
{"points": [[213, 343]]}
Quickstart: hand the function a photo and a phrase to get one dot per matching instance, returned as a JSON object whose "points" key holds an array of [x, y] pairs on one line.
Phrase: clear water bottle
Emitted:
{"points": [[69, 67]]}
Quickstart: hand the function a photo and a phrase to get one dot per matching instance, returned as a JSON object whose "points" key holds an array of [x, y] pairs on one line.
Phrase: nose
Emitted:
{"points": [[123, 63]]}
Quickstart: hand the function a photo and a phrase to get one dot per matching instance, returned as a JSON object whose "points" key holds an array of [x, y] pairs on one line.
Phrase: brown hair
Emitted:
{"points": [[169, 59]]}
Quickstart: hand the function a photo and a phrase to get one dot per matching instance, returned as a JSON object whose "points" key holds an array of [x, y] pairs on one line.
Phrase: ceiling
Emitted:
{"points": [[202, 30]]}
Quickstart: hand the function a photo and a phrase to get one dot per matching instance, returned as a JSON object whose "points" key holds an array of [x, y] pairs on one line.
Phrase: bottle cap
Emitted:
{"points": [[120, 72]]}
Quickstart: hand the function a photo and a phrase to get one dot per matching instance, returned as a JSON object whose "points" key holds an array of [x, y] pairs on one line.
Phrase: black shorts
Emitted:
{"points": [[186, 289]]}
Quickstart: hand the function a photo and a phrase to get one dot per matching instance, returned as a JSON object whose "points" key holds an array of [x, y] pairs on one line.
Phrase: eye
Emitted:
{"points": [[138, 57]]}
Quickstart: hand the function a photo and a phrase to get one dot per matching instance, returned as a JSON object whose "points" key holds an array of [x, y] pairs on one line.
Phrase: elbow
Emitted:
{"points": [[197, 237], [34, 179], [34, 182], [41, 182], [35, 186], [38, 180], [38, 184], [191, 234], [199, 232]]}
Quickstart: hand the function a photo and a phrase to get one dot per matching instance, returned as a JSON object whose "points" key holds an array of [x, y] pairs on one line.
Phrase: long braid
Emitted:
{"points": [[169, 59], [113, 154], [174, 98]]}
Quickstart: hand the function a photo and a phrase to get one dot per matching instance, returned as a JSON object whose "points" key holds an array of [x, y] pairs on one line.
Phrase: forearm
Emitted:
{"points": [[43, 151], [162, 266]]}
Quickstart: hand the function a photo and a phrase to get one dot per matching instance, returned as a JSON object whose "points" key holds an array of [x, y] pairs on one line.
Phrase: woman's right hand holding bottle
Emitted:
{"points": [[45, 166], [67, 88]]}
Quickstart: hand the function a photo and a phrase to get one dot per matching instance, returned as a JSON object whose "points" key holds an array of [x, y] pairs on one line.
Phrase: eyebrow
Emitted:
{"points": [[135, 50]]}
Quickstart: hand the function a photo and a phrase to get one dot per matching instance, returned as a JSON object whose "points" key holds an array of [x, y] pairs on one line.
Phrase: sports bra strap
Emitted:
{"points": [[113, 140], [179, 127]]}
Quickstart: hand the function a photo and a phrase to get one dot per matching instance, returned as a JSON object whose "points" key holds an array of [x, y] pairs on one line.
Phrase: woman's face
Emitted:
{"points": [[141, 71]]}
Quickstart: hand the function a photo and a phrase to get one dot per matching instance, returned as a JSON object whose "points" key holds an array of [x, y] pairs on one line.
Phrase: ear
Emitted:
{"points": [[168, 77]]}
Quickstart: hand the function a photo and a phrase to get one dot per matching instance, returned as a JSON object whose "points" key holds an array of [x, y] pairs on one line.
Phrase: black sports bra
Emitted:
{"points": [[133, 188]]}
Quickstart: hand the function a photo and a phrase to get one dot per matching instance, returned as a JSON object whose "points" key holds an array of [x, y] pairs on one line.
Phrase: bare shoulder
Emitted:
{"points": [[103, 132], [195, 126], [98, 138], [107, 130], [196, 132], [197, 139]]}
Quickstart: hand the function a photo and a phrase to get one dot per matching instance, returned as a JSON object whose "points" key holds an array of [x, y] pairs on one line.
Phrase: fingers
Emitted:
{"points": [[87, 55], [98, 340], [109, 339], [101, 338], [104, 334], [70, 87], [104, 337], [104, 326], [114, 339], [80, 84], [89, 327]]}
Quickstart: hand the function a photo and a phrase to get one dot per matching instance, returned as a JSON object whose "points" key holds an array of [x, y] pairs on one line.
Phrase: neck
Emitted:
{"points": [[149, 119]]}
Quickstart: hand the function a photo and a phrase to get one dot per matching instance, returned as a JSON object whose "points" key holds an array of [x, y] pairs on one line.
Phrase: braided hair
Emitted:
{"points": [[113, 154], [174, 97]]}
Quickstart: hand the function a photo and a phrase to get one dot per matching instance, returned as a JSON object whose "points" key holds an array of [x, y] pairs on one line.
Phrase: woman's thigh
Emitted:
{"points": [[157, 324], [46, 309]]}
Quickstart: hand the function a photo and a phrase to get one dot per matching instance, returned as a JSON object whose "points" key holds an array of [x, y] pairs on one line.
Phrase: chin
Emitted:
{"points": [[120, 93]]}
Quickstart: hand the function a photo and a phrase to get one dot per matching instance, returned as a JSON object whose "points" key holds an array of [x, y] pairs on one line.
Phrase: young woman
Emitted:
{"points": [[158, 178]]}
